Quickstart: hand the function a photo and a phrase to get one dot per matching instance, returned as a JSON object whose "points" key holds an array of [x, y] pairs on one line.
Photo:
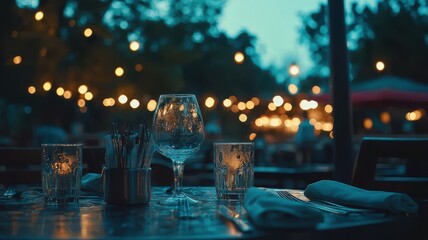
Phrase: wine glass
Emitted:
{"points": [[178, 132]]}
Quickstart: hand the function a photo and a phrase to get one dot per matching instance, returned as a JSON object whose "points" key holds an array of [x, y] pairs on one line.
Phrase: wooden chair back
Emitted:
{"points": [[393, 164]]}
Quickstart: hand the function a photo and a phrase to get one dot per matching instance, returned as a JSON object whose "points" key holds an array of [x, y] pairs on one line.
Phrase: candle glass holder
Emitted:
{"points": [[61, 172], [233, 169]]}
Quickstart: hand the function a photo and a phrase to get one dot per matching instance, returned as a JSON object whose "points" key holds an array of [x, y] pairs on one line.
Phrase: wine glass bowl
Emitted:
{"points": [[178, 132]]}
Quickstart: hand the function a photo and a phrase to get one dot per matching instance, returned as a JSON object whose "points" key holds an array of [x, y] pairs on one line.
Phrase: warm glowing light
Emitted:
{"points": [[295, 121], [255, 100], [331, 135], [367, 123], [278, 100], [227, 102], [82, 89], [252, 136], [89, 96], [327, 127], [119, 71], [83, 109], [209, 102], [151, 105], [328, 108], [242, 106], [31, 89], [380, 66], [134, 46], [234, 108], [275, 121], [134, 103], [239, 57], [60, 91], [233, 99], [306, 105], [122, 99], [294, 70], [292, 88], [243, 117], [316, 90], [39, 15], [81, 103], [138, 67], [67, 94], [414, 116], [47, 86], [17, 60], [258, 122], [288, 123], [272, 107], [250, 104], [108, 102], [385, 117], [288, 106], [87, 32]]}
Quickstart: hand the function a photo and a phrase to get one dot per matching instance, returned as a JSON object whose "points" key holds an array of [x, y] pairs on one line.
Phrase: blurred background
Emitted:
{"points": [[69, 68]]}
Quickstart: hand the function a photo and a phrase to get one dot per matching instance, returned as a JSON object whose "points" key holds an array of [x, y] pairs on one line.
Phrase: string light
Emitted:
{"points": [[38, 16]]}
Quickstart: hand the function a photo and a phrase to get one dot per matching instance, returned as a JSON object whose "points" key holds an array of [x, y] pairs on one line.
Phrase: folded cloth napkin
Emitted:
{"points": [[269, 211], [344, 194], [91, 182]]}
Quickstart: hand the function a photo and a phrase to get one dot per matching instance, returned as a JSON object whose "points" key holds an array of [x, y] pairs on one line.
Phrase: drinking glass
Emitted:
{"points": [[178, 132], [61, 172]]}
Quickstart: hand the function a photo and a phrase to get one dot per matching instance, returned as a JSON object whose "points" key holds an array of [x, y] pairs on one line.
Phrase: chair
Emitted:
{"points": [[393, 164], [21, 165]]}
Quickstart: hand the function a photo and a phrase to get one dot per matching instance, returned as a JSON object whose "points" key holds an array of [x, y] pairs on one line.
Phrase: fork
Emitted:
{"points": [[326, 206], [10, 192]]}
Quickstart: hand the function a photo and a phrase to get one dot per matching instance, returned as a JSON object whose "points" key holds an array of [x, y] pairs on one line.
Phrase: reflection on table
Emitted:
{"points": [[28, 217]]}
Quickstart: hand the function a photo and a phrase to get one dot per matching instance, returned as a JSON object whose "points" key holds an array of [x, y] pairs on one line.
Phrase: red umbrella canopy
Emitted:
{"points": [[386, 91]]}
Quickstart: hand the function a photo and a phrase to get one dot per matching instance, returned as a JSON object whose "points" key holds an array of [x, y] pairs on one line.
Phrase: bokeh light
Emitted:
{"points": [[87, 32], [278, 100], [227, 102], [38, 16], [239, 57], [89, 96], [119, 71], [47, 86], [151, 105], [209, 102], [134, 46], [60, 91], [82, 89], [31, 89], [17, 60], [380, 66], [294, 70], [316, 90], [134, 103], [292, 88], [122, 99], [67, 94]]}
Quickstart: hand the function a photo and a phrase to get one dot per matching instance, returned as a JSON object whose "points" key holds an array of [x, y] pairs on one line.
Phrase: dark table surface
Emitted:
{"points": [[29, 217]]}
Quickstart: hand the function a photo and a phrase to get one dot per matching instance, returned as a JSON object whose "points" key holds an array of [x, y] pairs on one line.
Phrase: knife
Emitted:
{"points": [[234, 217]]}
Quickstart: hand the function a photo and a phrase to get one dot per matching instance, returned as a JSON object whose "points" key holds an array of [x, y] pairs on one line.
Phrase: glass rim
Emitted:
{"points": [[177, 95], [61, 144]]}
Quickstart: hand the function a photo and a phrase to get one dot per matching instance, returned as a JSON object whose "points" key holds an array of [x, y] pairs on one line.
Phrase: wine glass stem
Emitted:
{"points": [[178, 168]]}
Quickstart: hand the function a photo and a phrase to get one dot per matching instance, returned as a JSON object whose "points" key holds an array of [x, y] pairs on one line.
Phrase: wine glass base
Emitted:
{"points": [[176, 198]]}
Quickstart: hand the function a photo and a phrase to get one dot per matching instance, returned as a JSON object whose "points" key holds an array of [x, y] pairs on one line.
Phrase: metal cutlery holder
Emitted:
{"points": [[127, 186]]}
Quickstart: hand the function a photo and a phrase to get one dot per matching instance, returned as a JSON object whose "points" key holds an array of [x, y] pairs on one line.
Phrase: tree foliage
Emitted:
{"points": [[394, 32], [181, 50]]}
